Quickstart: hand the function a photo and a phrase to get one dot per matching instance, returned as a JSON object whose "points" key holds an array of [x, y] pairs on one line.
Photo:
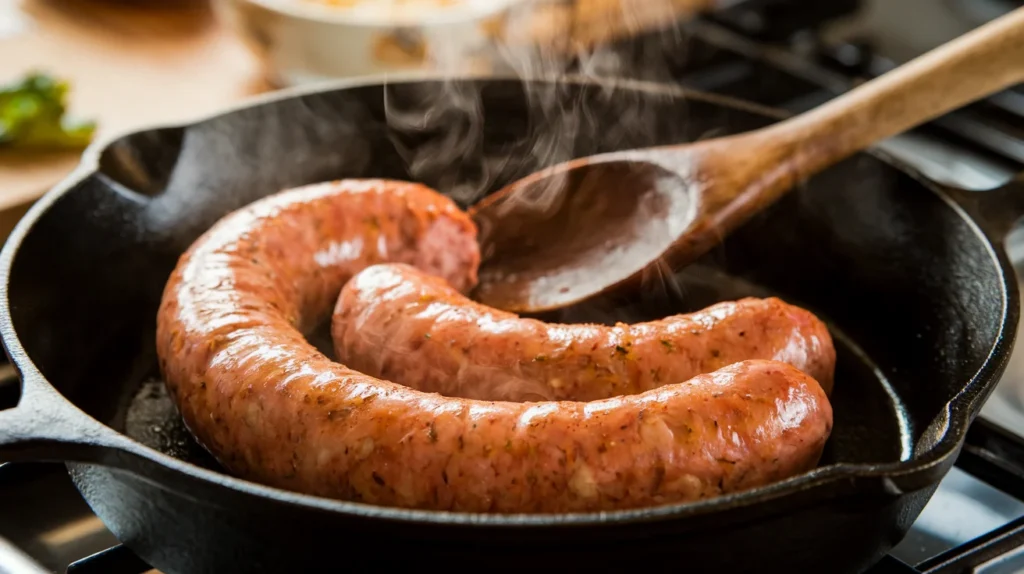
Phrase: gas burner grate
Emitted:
{"points": [[993, 124]]}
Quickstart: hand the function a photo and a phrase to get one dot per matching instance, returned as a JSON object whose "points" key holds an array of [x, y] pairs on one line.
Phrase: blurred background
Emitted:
{"points": [[75, 72], [127, 64]]}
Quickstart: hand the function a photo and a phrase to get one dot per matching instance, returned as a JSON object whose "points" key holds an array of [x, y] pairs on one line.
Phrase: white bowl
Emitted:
{"points": [[306, 41]]}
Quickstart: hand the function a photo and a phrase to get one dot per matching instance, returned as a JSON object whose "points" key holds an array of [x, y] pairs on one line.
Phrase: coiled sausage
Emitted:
{"points": [[273, 409]]}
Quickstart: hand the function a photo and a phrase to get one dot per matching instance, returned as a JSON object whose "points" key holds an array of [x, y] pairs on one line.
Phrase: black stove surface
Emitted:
{"points": [[786, 54]]}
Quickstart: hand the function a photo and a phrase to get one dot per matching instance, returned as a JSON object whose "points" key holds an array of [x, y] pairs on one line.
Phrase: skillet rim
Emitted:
{"points": [[957, 413]]}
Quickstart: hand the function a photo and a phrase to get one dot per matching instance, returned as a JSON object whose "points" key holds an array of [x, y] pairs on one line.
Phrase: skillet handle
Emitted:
{"points": [[45, 427], [995, 211]]}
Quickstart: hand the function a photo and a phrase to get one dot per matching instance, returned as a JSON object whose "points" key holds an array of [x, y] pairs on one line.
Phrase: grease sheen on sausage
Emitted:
{"points": [[273, 409], [399, 323]]}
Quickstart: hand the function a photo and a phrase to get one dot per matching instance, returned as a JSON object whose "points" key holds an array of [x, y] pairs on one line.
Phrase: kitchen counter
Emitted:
{"points": [[130, 64]]}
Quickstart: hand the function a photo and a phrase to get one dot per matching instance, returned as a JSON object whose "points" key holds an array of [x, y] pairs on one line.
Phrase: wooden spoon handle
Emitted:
{"points": [[982, 62]]}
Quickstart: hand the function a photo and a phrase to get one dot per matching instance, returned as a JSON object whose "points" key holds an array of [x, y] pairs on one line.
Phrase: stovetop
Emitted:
{"points": [[788, 54]]}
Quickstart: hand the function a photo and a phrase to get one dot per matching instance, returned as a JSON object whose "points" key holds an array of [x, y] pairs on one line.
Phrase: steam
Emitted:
{"points": [[442, 136], [439, 130]]}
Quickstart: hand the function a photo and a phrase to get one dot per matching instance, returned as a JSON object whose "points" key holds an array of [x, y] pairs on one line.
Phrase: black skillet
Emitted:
{"points": [[910, 275]]}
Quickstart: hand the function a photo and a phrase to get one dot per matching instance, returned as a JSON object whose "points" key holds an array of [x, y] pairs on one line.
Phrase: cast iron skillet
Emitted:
{"points": [[923, 305]]}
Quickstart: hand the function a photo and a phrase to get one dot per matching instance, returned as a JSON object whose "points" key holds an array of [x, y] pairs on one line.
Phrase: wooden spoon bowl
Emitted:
{"points": [[542, 246]]}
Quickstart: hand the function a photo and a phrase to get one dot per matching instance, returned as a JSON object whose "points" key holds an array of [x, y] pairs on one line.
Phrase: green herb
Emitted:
{"points": [[33, 115]]}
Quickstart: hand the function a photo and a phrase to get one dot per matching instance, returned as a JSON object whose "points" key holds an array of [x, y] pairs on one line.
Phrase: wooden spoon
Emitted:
{"points": [[587, 226]]}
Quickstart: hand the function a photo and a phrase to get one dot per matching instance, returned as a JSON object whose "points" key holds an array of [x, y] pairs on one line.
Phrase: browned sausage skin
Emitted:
{"points": [[401, 324], [273, 409]]}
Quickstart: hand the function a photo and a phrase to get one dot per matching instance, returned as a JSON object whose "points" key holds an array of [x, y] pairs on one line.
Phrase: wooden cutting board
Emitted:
{"points": [[130, 64]]}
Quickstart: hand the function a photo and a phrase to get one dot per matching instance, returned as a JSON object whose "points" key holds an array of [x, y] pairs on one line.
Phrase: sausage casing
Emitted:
{"points": [[273, 409], [398, 323]]}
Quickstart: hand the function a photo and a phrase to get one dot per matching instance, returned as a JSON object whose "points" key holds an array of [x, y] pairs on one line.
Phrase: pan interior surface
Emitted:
{"points": [[912, 291]]}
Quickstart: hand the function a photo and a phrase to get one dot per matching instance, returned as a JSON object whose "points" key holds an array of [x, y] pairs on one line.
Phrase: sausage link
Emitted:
{"points": [[398, 323], [273, 409]]}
